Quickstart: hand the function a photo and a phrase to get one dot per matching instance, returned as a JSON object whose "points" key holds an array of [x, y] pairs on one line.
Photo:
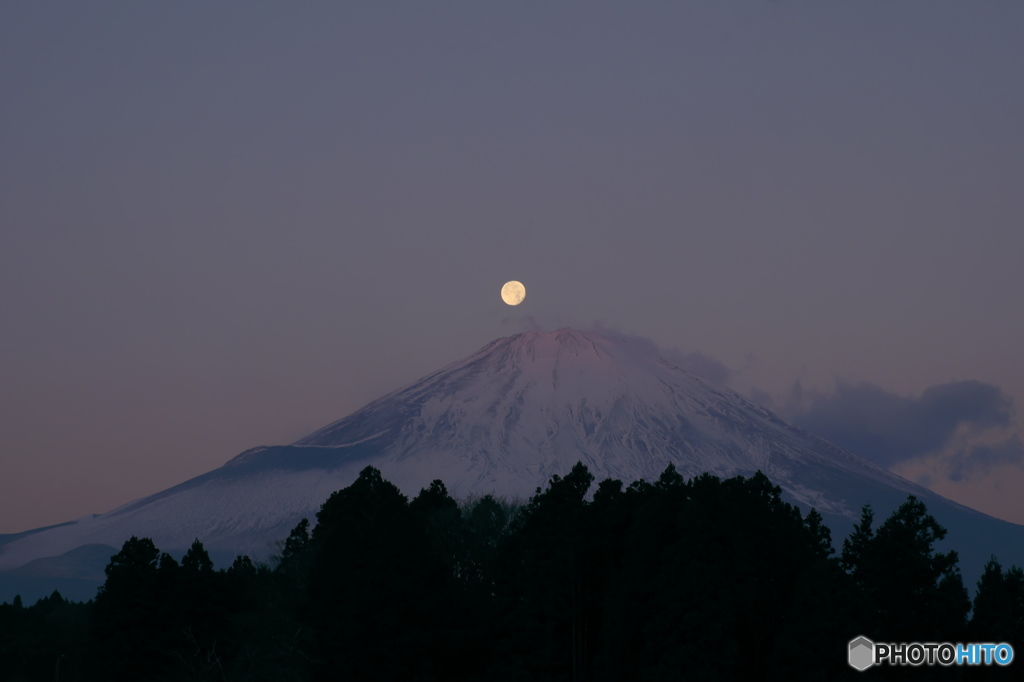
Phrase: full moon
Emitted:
{"points": [[513, 292]]}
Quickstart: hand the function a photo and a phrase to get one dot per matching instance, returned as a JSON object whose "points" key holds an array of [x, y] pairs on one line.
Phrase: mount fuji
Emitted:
{"points": [[501, 421]]}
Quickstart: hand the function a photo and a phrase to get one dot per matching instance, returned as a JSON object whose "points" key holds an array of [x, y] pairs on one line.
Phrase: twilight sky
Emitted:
{"points": [[226, 225]]}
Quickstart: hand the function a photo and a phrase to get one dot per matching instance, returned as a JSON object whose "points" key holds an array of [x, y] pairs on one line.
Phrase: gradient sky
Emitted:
{"points": [[226, 224]]}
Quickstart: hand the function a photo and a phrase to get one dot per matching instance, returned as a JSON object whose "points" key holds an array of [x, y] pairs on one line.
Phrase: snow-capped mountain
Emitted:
{"points": [[503, 421], [531, 405]]}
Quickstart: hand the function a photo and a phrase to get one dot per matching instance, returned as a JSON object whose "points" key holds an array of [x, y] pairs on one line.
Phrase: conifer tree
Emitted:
{"points": [[130, 637], [999, 606], [820, 534], [197, 560], [297, 544], [855, 546], [371, 570], [913, 592], [544, 579]]}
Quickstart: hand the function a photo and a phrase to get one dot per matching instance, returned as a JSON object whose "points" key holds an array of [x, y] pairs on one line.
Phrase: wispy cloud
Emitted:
{"points": [[699, 364]]}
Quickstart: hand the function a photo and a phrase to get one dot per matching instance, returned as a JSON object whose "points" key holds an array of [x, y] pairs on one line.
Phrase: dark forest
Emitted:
{"points": [[702, 579]]}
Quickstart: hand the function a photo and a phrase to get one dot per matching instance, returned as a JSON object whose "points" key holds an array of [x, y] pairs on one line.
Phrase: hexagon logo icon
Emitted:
{"points": [[862, 653]]}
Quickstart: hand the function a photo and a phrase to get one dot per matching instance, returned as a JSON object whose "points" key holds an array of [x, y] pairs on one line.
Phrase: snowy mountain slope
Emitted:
{"points": [[531, 405], [504, 420]]}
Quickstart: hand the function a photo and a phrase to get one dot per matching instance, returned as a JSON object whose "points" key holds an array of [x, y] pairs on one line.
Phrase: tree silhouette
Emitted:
{"points": [[671, 579], [130, 634], [548, 577], [201, 614], [855, 546], [486, 524], [999, 606], [33, 638], [912, 592], [372, 583], [294, 557], [268, 639]]}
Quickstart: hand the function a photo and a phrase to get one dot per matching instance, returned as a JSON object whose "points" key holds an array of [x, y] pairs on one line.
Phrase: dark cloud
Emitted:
{"points": [[978, 460], [888, 428], [946, 420]]}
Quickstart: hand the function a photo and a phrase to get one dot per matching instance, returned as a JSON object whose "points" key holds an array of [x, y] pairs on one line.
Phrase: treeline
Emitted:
{"points": [[705, 579]]}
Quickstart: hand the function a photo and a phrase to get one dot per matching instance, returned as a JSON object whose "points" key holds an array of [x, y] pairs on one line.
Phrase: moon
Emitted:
{"points": [[513, 292]]}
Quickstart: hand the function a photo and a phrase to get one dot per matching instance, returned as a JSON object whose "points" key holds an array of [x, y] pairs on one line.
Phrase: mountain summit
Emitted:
{"points": [[503, 421], [531, 405]]}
